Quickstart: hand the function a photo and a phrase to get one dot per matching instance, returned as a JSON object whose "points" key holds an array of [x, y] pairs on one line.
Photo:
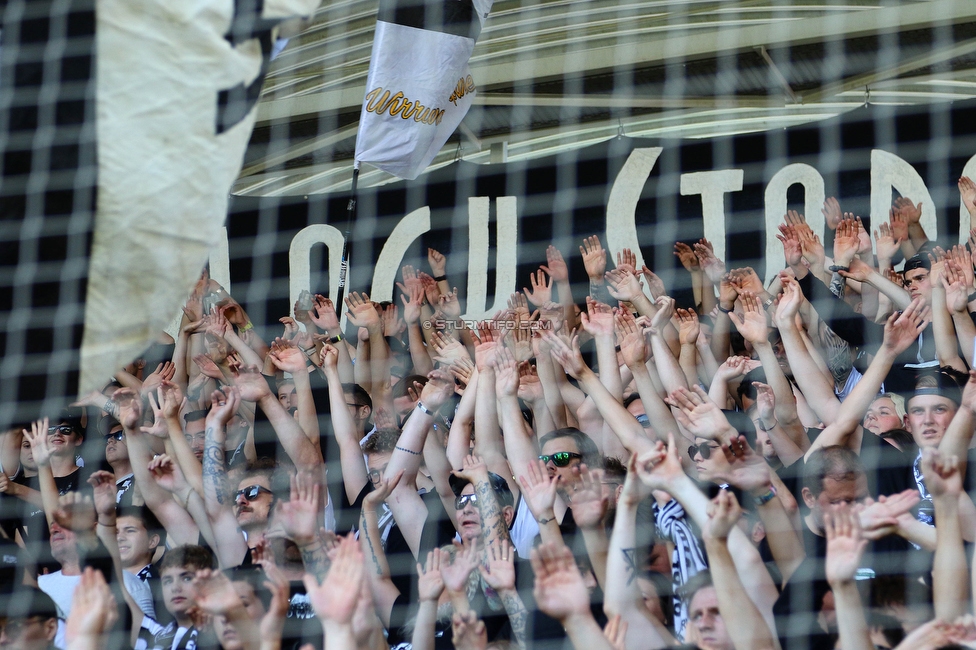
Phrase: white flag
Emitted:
{"points": [[419, 87]]}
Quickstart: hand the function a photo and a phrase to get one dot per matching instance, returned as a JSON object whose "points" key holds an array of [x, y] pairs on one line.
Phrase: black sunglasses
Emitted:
{"points": [[118, 435], [463, 500], [560, 458], [251, 492], [704, 449], [63, 429]]}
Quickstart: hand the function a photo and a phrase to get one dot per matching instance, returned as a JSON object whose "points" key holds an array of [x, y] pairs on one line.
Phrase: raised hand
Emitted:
{"points": [[627, 261], [566, 353], [845, 545], [727, 291], [449, 306], [942, 477], [631, 340], [746, 279], [909, 211], [506, 373], [903, 329], [660, 467], [831, 212], [661, 319], [251, 384], [412, 299], [791, 244], [765, 401], [163, 372], [437, 262], [555, 265], [75, 512], [733, 367], [430, 584], [698, 414], [615, 632], [464, 561], [299, 516], [747, 470], [468, 631], [589, 503], [473, 469], [168, 474], [789, 305], [329, 358], [597, 319], [541, 291], [967, 193], [499, 572], [223, 405], [446, 349], [654, 284], [208, 366], [845, 242], [287, 357], [130, 408], [685, 255], [539, 489], [335, 599], [361, 311], [878, 516], [323, 314], [41, 450], [438, 389], [723, 513], [886, 243], [486, 347], [215, 594], [623, 286], [857, 270], [103, 494], [957, 291], [594, 258], [170, 399], [93, 610], [688, 326], [559, 588], [713, 267]]}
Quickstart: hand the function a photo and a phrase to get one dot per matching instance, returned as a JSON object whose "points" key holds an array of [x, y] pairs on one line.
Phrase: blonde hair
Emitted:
{"points": [[897, 400]]}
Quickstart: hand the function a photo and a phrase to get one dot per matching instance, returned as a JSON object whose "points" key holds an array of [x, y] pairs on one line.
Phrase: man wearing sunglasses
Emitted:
{"points": [[117, 456]]}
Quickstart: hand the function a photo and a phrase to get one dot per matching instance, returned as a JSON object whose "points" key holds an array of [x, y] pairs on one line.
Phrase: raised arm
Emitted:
{"points": [[217, 495], [354, 473], [747, 627], [288, 357], [901, 331], [950, 588], [621, 594], [845, 546], [378, 577], [253, 387], [408, 508], [629, 431]]}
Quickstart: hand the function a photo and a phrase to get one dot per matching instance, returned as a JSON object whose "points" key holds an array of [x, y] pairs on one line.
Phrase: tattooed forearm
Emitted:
{"points": [[493, 526], [518, 616], [630, 557], [214, 472], [316, 559], [369, 530]]}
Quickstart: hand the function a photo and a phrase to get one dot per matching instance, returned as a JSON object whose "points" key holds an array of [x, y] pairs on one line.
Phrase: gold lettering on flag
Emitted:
{"points": [[465, 85], [380, 101]]}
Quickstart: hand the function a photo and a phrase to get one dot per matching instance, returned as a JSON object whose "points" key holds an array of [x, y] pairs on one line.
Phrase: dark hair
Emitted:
{"points": [[904, 440], [746, 389], [254, 576], [400, 388], [188, 556], [613, 467], [27, 601], [742, 424], [836, 462], [630, 399], [498, 485], [358, 393], [193, 416], [106, 424], [381, 442], [145, 515], [697, 582], [588, 448], [918, 261], [665, 590], [72, 417]]}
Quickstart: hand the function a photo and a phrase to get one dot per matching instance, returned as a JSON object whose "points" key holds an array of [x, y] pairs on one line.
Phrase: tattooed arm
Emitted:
{"points": [[621, 594], [384, 591], [494, 528], [217, 497]]}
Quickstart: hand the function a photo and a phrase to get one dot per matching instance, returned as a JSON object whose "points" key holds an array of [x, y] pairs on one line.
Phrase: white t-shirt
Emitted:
{"points": [[61, 589]]}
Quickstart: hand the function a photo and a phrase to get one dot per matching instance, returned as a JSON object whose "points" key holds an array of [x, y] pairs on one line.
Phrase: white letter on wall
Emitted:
{"points": [[776, 205], [889, 171], [299, 270], [712, 186], [388, 265], [506, 258], [622, 204]]}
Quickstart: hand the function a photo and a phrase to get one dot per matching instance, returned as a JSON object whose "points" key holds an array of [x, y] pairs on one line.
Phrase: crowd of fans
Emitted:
{"points": [[776, 466]]}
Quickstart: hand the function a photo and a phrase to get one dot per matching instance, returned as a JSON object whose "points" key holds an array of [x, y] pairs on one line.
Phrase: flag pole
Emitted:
{"points": [[350, 215]]}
